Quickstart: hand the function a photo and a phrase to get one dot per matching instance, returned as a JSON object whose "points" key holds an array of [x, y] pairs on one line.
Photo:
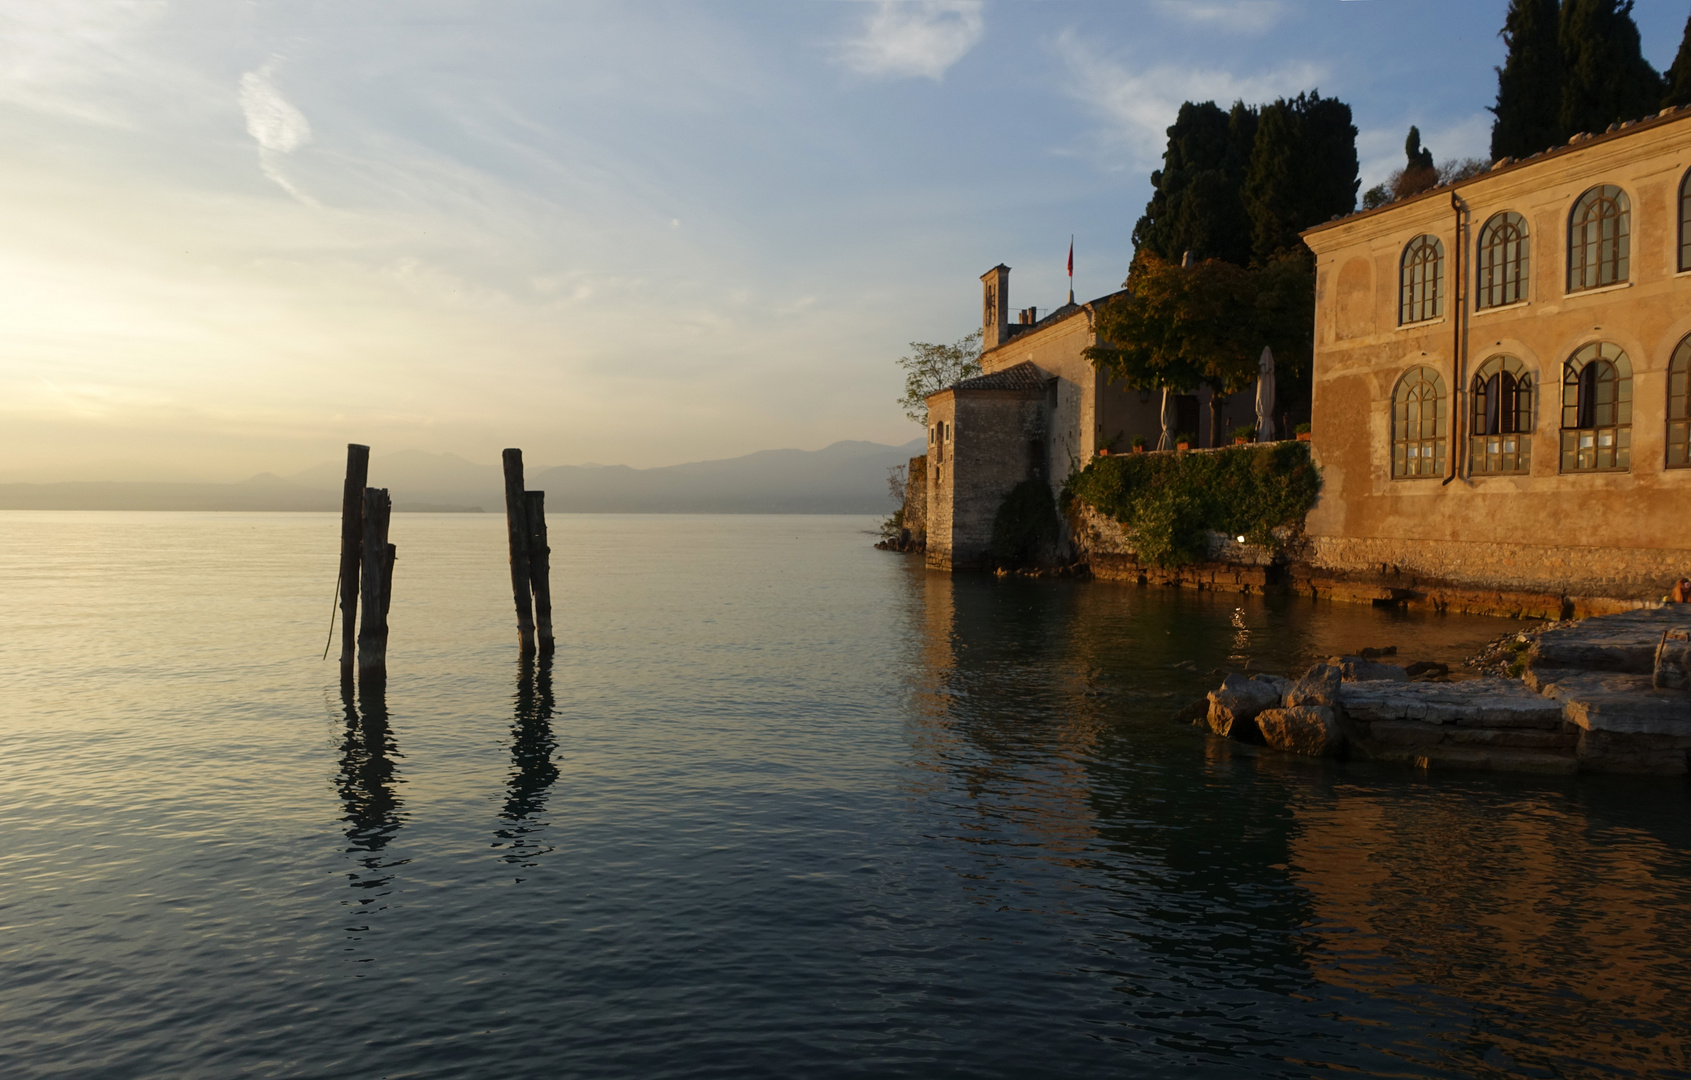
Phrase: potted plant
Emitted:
{"points": [[1184, 440], [1302, 431], [1243, 434], [1139, 444]]}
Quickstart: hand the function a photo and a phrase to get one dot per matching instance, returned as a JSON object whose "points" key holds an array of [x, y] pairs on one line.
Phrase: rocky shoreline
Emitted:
{"points": [[1608, 694]]}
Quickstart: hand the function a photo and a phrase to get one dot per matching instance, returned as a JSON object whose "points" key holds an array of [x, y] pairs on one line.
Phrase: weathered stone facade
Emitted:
{"points": [[1037, 385], [985, 435], [1437, 481]]}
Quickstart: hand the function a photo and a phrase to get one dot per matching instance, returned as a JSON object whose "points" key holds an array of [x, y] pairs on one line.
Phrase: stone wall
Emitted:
{"points": [[916, 503], [1476, 579], [997, 433]]}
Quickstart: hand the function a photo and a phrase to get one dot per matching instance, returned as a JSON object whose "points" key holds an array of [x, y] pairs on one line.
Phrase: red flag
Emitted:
{"points": [[1071, 256]]}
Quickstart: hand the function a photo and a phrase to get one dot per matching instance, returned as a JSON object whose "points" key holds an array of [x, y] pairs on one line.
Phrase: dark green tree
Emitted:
{"points": [[1529, 84], [1302, 171], [1607, 78], [1679, 75], [1195, 204], [1418, 172]]}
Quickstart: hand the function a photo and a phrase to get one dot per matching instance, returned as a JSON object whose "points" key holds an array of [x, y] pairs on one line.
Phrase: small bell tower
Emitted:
{"points": [[995, 307]]}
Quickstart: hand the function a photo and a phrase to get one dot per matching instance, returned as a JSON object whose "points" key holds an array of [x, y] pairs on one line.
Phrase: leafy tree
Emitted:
{"points": [[1302, 171], [1529, 84], [931, 368], [1679, 75], [1607, 78], [1195, 204], [1175, 327]]}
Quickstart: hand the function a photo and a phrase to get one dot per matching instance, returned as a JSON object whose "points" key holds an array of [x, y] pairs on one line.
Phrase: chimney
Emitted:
{"points": [[995, 307]]}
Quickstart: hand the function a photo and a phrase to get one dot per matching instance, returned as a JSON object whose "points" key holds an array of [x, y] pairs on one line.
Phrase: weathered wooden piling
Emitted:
{"points": [[352, 546], [540, 568], [516, 527], [376, 584]]}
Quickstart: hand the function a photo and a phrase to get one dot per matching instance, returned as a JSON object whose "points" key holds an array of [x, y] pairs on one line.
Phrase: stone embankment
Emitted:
{"points": [[1610, 694]]}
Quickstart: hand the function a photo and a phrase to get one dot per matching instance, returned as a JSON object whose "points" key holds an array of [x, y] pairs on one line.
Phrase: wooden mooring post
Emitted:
{"points": [[376, 584], [352, 546], [516, 527], [540, 568]]}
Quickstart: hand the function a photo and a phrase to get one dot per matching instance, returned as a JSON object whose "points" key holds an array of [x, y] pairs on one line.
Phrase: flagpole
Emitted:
{"points": [[1071, 268]]}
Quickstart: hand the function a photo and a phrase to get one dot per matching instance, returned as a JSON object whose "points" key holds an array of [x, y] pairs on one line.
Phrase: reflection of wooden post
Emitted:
{"points": [[516, 526], [376, 583], [540, 567], [352, 543]]}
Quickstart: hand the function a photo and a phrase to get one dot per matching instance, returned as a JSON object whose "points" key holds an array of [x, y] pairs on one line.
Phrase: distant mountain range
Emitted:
{"points": [[845, 478]]}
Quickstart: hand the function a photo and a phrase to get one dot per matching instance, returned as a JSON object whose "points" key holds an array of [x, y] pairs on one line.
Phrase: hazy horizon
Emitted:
{"points": [[239, 237]]}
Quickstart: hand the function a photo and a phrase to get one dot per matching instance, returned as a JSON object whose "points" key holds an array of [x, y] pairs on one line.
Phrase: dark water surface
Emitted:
{"points": [[783, 806]]}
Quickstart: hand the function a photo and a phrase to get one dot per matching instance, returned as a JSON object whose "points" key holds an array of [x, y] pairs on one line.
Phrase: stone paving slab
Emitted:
{"points": [[1625, 642], [1621, 703], [1478, 703]]}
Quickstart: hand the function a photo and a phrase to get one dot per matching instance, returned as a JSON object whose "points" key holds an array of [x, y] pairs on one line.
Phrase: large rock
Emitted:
{"points": [[1358, 669], [1620, 703], [1475, 703], [1673, 660], [1319, 686], [1624, 643], [1311, 730], [1234, 707]]}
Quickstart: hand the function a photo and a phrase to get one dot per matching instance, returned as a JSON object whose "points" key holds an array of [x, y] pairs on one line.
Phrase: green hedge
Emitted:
{"points": [[1170, 501]]}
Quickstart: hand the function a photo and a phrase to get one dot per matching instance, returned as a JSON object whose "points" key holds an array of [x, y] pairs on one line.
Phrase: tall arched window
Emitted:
{"points": [[1502, 420], [1679, 406], [1418, 419], [1503, 261], [1422, 278], [1597, 409], [1599, 239], [1685, 223]]}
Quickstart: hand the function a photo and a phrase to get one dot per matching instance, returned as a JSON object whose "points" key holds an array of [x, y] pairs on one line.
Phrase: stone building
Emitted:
{"points": [[1502, 381], [1038, 410]]}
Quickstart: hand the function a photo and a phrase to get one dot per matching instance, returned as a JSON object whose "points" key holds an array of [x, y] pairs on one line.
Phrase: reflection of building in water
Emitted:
{"points": [[532, 770], [1561, 936], [367, 781], [992, 718]]}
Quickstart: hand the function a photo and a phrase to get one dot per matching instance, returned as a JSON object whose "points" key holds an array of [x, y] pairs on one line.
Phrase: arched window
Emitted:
{"points": [[1679, 406], [1503, 261], [1422, 278], [1502, 420], [1597, 409], [1685, 223], [1418, 419], [1599, 239]]}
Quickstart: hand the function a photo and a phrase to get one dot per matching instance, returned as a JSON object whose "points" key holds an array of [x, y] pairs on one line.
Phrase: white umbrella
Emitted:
{"points": [[1167, 440], [1265, 396]]}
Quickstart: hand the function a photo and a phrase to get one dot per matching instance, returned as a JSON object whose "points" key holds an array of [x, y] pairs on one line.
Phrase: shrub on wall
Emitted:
{"points": [[1025, 529], [1171, 502]]}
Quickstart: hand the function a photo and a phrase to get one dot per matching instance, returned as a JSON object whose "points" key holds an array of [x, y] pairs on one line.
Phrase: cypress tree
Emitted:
{"points": [[1679, 75], [1195, 204], [1302, 172], [1607, 78], [1529, 84]]}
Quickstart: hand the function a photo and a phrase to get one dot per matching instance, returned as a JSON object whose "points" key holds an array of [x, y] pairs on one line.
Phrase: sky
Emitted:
{"points": [[237, 235]]}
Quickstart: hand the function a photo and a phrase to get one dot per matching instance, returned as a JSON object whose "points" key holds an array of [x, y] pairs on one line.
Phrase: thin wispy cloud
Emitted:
{"points": [[1137, 104], [274, 123], [909, 39], [1233, 16]]}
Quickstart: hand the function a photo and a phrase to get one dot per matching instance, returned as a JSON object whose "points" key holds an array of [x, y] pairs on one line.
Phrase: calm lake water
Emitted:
{"points": [[783, 806]]}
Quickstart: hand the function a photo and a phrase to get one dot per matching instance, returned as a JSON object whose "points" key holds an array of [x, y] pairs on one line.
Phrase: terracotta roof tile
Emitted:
{"points": [[1023, 376]]}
